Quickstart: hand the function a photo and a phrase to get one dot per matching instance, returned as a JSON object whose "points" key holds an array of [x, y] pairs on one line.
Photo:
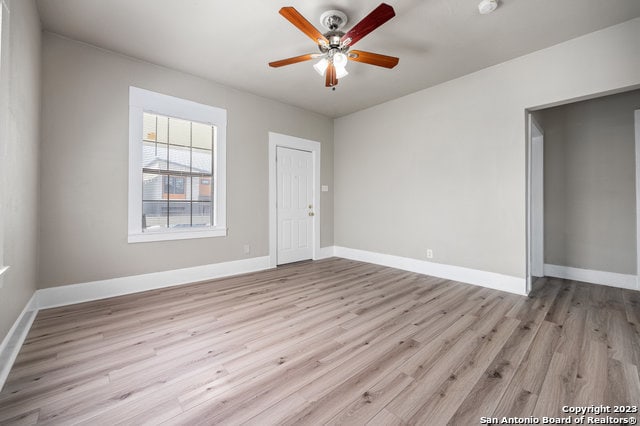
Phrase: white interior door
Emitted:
{"points": [[295, 210], [537, 201]]}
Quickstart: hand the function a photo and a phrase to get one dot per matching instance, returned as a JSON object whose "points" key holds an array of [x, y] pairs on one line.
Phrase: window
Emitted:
{"points": [[176, 168], [173, 185]]}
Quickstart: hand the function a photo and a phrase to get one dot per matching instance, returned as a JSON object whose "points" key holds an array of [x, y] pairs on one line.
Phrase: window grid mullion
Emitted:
{"points": [[168, 170], [166, 174], [212, 215], [174, 173]]}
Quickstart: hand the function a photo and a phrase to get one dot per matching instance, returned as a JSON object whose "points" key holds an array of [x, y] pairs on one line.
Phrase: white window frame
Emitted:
{"points": [[141, 101]]}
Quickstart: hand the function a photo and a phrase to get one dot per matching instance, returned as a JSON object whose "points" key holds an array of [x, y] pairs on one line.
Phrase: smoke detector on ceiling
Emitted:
{"points": [[487, 6]]}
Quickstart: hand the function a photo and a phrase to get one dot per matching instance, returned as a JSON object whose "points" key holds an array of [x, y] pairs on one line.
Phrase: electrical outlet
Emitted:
{"points": [[429, 254], [247, 249]]}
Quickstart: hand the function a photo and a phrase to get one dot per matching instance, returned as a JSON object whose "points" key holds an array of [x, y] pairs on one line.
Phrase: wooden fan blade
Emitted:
{"points": [[289, 61], [330, 76], [373, 58], [293, 16], [377, 17]]}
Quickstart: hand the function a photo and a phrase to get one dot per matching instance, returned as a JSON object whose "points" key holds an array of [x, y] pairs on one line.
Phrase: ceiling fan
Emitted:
{"points": [[334, 45]]}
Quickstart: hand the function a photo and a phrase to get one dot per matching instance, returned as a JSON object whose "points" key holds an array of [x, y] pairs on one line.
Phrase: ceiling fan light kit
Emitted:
{"points": [[321, 66], [487, 6], [334, 44]]}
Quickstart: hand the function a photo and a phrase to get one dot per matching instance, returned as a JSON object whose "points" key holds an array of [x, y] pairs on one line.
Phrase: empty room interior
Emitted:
{"points": [[320, 212]]}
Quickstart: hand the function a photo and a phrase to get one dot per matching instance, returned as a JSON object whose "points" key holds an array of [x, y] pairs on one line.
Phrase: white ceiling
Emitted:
{"points": [[231, 42]]}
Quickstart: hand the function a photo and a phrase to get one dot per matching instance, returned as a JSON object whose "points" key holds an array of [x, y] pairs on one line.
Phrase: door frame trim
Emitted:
{"points": [[537, 217], [637, 149], [533, 130], [292, 142]]}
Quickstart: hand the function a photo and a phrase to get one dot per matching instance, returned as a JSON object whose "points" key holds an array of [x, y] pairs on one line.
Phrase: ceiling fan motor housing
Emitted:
{"points": [[334, 38], [333, 21]]}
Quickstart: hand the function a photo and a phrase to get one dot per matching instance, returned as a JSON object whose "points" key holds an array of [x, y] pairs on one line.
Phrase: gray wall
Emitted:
{"points": [[83, 218], [444, 168], [590, 192], [19, 140]]}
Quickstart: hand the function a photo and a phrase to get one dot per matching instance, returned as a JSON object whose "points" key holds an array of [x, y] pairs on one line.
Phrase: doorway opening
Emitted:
{"points": [[583, 191]]}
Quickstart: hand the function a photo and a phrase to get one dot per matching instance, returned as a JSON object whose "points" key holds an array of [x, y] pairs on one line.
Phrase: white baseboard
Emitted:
{"points": [[612, 279], [456, 273], [85, 292], [326, 252], [14, 339]]}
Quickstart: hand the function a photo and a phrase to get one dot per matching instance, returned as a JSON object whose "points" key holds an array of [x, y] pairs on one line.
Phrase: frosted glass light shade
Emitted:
{"points": [[321, 66], [340, 60]]}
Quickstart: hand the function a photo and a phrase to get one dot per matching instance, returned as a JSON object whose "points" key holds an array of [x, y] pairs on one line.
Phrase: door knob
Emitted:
{"points": [[311, 214], [310, 206]]}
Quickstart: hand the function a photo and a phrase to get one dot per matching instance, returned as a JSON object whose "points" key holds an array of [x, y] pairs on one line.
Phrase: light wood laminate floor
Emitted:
{"points": [[328, 342]]}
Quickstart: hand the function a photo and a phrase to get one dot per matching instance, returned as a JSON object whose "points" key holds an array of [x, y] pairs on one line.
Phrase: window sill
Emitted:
{"points": [[176, 235]]}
